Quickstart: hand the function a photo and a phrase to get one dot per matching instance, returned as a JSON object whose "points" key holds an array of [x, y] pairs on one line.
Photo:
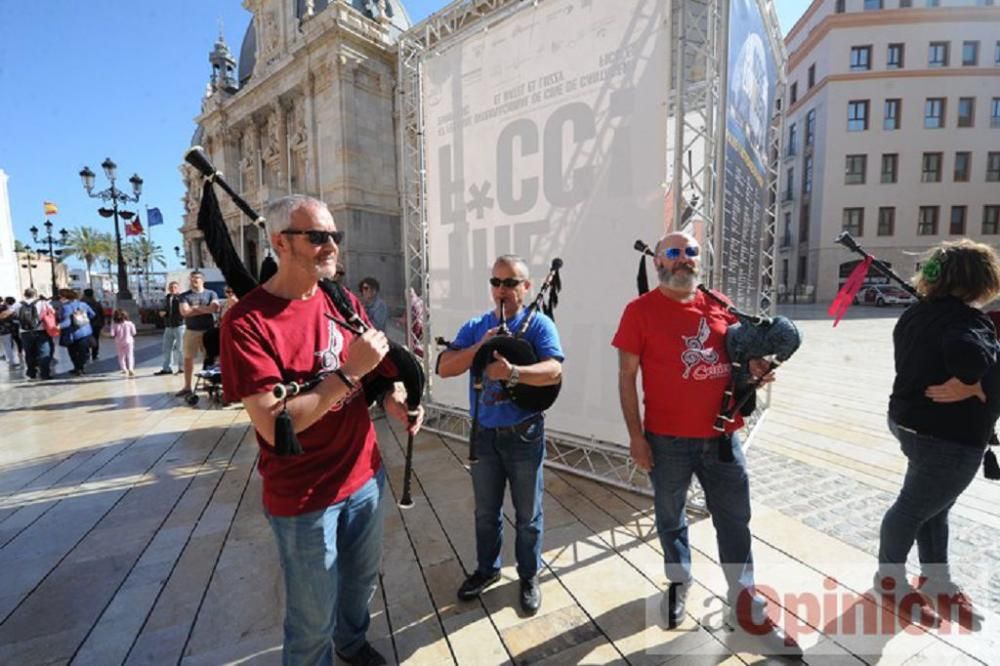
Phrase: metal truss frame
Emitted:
{"points": [[768, 242]]}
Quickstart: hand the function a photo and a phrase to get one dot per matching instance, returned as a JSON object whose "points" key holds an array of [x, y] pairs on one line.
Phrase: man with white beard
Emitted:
{"points": [[676, 335]]}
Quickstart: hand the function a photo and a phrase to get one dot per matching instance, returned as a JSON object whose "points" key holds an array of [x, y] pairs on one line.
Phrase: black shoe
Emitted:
{"points": [[531, 595], [475, 584], [672, 604], [163, 372], [366, 656]]}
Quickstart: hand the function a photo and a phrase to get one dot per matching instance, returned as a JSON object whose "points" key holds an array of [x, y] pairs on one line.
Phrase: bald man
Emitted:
{"points": [[676, 336]]}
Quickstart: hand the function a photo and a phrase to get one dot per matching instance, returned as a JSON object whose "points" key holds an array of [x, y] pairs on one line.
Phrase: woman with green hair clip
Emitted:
{"points": [[944, 404]]}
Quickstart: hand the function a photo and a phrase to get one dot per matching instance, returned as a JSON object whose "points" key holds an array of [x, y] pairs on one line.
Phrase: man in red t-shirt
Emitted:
{"points": [[325, 504], [676, 336]]}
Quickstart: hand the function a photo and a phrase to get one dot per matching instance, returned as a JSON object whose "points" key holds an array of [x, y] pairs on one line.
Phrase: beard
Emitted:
{"points": [[681, 278], [324, 267]]}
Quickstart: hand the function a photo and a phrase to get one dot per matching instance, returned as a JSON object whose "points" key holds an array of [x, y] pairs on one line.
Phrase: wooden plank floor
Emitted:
{"points": [[131, 532]]}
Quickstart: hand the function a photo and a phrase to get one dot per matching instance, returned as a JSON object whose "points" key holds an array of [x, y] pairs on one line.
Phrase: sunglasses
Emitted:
{"points": [[316, 237], [510, 283], [674, 253]]}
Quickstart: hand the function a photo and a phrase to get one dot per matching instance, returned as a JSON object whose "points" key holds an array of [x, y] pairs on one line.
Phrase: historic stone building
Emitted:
{"points": [[309, 108]]}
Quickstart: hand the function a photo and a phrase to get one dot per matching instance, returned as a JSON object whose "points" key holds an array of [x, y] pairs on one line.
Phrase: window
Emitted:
{"points": [[894, 59], [970, 54], [966, 111], [804, 223], [995, 113], [991, 219], [861, 58], [857, 115], [886, 221], [793, 93], [962, 161], [903, 4], [786, 237], [854, 221], [933, 3], [803, 264], [992, 167], [937, 55], [811, 79], [873, 4], [893, 111], [793, 139], [855, 168], [890, 167], [934, 113], [927, 221], [811, 122], [957, 225], [790, 185], [839, 8], [931, 170], [807, 175], [996, 54]]}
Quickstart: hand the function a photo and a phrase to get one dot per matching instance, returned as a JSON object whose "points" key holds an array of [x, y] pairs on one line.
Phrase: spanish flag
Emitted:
{"points": [[50, 208]]}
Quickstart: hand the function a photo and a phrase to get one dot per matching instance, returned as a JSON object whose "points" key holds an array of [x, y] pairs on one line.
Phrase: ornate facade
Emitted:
{"points": [[310, 110]]}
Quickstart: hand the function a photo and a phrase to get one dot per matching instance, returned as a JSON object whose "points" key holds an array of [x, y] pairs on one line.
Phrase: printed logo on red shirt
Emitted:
{"points": [[696, 356], [329, 358]]}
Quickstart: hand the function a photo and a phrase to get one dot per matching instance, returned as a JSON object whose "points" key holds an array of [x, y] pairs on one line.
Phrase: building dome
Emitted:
{"points": [[248, 55]]}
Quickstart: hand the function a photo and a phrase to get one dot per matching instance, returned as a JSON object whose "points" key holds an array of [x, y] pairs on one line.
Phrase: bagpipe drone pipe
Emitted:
{"points": [[991, 469], [772, 339], [399, 364]]}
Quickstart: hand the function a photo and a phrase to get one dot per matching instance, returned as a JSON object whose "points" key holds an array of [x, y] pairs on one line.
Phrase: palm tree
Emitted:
{"points": [[108, 254], [143, 252], [88, 244]]}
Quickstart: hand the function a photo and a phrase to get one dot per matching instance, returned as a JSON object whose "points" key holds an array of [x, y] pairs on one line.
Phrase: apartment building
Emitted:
{"points": [[892, 132]]}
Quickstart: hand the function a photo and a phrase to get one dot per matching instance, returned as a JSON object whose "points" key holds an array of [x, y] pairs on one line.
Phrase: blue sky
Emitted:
{"points": [[81, 81]]}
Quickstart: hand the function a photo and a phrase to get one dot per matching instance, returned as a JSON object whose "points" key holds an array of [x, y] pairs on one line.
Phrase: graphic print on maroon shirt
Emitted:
{"points": [[267, 340], [683, 361]]}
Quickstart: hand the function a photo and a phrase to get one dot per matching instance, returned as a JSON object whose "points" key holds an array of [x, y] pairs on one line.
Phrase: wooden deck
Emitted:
{"points": [[131, 532]]}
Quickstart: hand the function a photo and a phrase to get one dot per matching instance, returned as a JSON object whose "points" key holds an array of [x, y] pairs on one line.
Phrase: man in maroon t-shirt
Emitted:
{"points": [[325, 504], [676, 336]]}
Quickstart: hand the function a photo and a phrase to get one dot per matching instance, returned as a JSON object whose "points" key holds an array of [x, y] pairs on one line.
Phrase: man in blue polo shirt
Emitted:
{"points": [[510, 443]]}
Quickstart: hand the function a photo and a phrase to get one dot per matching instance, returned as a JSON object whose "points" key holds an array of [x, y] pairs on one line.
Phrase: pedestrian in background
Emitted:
{"points": [[77, 334], [173, 330], [123, 332], [378, 311], [96, 323]]}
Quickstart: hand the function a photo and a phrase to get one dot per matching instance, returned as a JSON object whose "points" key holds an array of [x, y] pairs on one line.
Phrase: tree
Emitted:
{"points": [[88, 244]]}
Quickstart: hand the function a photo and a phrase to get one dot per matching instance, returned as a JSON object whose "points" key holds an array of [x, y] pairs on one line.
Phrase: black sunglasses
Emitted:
{"points": [[316, 236], [510, 283]]}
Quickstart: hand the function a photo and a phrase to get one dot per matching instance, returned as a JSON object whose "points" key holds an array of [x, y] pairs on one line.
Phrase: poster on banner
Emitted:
{"points": [[546, 136], [750, 103]]}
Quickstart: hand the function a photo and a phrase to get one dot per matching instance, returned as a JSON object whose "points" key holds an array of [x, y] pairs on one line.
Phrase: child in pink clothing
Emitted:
{"points": [[123, 331]]}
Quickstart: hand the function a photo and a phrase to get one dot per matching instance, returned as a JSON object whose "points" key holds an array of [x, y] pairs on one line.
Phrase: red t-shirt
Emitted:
{"points": [[682, 355], [266, 340]]}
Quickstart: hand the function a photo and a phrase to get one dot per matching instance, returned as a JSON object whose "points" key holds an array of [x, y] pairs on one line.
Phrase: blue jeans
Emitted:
{"points": [[937, 472], [172, 350], [515, 455], [727, 495], [330, 560], [37, 353]]}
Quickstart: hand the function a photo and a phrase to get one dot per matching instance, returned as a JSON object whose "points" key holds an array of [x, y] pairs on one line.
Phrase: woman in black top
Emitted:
{"points": [[945, 401]]}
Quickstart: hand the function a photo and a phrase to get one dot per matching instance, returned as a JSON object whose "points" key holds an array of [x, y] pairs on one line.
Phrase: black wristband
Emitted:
{"points": [[344, 378]]}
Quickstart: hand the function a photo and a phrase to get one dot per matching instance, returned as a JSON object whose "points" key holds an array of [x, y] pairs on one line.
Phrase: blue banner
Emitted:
{"points": [[153, 217]]}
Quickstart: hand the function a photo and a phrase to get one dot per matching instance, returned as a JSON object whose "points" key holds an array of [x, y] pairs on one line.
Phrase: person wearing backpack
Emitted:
{"points": [[96, 323], [77, 334], [37, 344]]}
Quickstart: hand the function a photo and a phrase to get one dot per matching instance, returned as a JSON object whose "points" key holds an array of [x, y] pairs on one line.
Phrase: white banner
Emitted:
{"points": [[546, 136]]}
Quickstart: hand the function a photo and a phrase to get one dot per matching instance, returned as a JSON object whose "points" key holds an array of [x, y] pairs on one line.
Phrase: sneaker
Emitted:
{"points": [[945, 596], [366, 656], [182, 393], [774, 640], [905, 601], [531, 595], [131, 373], [475, 584], [672, 604], [159, 373]]}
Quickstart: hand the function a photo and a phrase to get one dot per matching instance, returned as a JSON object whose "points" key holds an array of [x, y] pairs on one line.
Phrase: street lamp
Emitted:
{"points": [[51, 240], [115, 196], [30, 258], [177, 251]]}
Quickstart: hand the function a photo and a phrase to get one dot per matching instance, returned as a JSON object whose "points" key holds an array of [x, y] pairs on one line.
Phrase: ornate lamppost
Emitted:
{"points": [[52, 253], [115, 196], [177, 251]]}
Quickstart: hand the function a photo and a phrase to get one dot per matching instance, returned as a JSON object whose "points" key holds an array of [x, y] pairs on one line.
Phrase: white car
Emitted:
{"points": [[882, 295]]}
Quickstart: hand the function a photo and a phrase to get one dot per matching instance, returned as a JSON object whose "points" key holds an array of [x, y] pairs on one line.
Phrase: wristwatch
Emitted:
{"points": [[515, 375]]}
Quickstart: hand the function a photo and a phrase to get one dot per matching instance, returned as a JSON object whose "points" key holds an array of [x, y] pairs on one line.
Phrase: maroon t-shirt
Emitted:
{"points": [[267, 340], [684, 362]]}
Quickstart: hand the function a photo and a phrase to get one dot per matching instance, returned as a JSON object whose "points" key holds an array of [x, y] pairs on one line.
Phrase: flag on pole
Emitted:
{"points": [[133, 228], [50, 208], [153, 217]]}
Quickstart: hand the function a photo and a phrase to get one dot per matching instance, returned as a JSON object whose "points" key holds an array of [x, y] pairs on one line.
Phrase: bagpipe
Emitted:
{"points": [[773, 339], [991, 468], [517, 351], [399, 364]]}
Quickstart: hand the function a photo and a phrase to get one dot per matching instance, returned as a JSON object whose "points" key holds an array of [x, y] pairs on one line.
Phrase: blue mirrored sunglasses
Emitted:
{"points": [[673, 253]]}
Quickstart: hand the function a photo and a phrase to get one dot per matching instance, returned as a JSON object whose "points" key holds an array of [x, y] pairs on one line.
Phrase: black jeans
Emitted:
{"points": [[79, 352], [37, 353], [95, 346]]}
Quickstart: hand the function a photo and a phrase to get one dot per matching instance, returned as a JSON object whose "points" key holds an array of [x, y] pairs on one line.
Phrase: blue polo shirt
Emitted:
{"points": [[495, 409]]}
